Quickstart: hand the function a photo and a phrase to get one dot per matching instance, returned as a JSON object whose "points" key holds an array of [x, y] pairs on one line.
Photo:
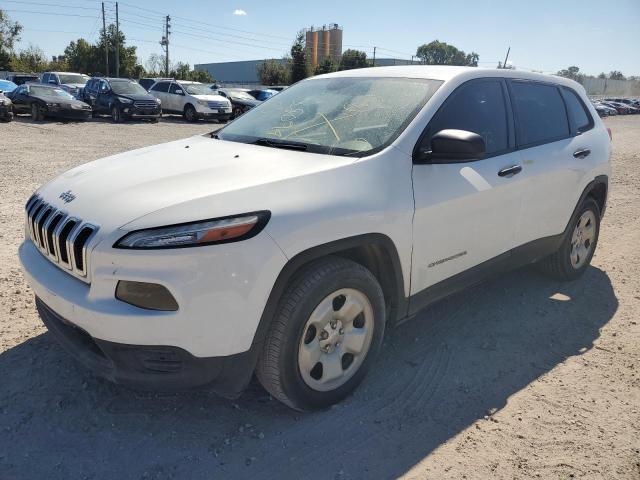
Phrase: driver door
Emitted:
{"points": [[465, 212], [20, 100], [103, 97]]}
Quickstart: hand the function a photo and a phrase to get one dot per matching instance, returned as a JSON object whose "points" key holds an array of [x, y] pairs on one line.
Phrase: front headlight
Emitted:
{"points": [[158, 101], [204, 103], [195, 234], [76, 106], [124, 100]]}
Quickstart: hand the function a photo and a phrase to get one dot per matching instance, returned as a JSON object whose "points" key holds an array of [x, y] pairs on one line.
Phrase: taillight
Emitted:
{"points": [[610, 135]]}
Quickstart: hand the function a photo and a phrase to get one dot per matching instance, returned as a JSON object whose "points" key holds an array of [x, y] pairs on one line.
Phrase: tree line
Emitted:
{"points": [[297, 66], [83, 56]]}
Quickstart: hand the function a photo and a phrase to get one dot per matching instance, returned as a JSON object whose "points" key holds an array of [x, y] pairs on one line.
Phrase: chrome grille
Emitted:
{"points": [[218, 104], [145, 103], [60, 237]]}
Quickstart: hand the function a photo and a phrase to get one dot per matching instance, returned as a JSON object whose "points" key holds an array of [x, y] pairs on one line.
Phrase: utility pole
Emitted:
{"points": [[106, 43], [374, 56], [117, 43], [504, 65], [165, 43], [412, 59]]}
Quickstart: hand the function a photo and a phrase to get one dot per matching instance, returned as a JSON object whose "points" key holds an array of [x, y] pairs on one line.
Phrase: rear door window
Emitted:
{"points": [[479, 107], [580, 117], [160, 87], [541, 116]]}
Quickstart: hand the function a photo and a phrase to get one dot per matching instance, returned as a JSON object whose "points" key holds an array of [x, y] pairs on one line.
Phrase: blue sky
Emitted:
{"points": [[544, 35]]}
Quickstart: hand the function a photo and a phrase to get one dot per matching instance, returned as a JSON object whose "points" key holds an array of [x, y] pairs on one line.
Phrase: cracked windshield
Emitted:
{"points": [[340, 116]]}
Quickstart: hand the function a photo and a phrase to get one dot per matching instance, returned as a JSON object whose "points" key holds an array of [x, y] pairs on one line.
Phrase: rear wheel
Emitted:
{"points": [[577, 249], [190, 113], [325, 335]]}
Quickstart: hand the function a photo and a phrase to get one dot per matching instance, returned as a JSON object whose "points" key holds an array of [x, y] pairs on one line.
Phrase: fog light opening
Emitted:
{"points": [[150, 296]]}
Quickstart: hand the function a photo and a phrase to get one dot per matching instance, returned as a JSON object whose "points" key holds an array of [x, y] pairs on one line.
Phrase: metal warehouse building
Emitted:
{"points": [[246, 72]]}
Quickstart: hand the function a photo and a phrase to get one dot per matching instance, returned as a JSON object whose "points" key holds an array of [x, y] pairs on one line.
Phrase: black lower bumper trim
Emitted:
{"points": [[151, 367]]}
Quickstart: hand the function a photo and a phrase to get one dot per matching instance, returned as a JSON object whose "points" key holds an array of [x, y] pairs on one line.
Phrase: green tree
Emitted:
{"points": [[31, 59], [441, 53], [325, 66], [182, 71], [299, 65], [128, 58], [9, 34], [602, 75], [616, 75], [156, 65], [272, 72], [353, 59], [572, 72], [83, 57]]}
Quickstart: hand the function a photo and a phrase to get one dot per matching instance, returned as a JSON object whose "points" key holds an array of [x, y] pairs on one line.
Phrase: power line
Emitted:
{"points": [[48, 13], [22, 2]]}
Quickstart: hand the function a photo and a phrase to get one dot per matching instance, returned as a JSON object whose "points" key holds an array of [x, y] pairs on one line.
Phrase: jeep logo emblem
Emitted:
{"points": [[67, 196]]}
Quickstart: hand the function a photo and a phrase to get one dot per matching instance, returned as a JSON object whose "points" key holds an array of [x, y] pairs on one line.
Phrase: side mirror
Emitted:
{"points": [[452, 146]]}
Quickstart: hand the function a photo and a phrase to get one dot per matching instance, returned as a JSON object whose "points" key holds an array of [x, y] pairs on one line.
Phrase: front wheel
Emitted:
{"points": [[36, 112], [190, 113], [577, 249], [326, 333], [116, 114]]}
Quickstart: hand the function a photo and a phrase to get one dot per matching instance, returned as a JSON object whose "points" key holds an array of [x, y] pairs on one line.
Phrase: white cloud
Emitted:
{"points": [[239, 11]]}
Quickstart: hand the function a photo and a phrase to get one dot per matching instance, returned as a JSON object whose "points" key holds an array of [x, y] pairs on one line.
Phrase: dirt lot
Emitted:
{"points": [[521, 377]]}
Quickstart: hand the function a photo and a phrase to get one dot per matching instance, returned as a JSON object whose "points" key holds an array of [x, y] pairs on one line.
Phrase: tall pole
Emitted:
{"points": [[166, 32], [504, 65], [117, 43], [374, 56], [106, 43]]}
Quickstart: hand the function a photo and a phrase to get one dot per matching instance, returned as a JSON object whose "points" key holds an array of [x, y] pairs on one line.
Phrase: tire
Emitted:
{"points": [[36, 112], [190, 114], [571, 261], [347, 286], [154, 120], [116, 114]]}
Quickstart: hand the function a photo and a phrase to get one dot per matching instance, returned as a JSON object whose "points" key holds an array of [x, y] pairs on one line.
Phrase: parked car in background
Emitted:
{"points": [[147, 83], [604, 110], [6, 107], [70, 82], [240, 99], [263, 95], [22, 78], [286, 243], [43, 101], [121, 98], [7, 86], [622, 108], [193, 100]]}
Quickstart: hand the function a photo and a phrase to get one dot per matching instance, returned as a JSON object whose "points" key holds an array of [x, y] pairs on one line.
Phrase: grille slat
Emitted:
{"points": [[145, 103], [63, 239]]}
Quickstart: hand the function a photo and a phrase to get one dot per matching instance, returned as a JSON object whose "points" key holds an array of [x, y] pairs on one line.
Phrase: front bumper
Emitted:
{"points": [[137, 112], [69, 114], [150, 367]]}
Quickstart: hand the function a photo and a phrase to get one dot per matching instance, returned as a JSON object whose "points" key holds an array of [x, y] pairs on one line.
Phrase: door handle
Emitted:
{"points": [[582, 153], [510, 171]]}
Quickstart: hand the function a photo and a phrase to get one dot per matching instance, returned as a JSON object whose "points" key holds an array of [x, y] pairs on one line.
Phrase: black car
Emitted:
{"points": [[47, 101], [241, 100], [121, 98], [6, 110]]}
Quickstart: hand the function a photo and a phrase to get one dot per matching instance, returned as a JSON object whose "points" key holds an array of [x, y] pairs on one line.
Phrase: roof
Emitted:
{"points": [[445, 73]]}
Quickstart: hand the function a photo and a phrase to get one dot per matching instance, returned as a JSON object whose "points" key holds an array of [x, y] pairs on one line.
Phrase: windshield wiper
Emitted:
{"points": [[268, 142]]}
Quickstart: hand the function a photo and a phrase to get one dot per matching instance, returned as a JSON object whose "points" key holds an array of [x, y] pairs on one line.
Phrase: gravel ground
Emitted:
{"points": [[521, 377]]}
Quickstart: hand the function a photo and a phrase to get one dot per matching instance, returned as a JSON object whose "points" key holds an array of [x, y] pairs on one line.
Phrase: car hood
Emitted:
{"points": [[243, 101], [62, 101], [181, 181], [79, 86], [210, 98], [137, 97]]}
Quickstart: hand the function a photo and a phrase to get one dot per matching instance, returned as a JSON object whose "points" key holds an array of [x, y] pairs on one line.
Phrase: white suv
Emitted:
{"points": [[286, 243], [194, 100]]}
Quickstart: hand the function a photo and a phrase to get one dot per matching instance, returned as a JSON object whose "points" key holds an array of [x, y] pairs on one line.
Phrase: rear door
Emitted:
{"points": [[175, 97], [549, 149], [465, 213], [159, 90], [21, 100]]}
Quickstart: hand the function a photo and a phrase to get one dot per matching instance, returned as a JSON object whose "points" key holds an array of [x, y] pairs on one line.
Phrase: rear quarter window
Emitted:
{"points": [[580, 117], [541, 116]]}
